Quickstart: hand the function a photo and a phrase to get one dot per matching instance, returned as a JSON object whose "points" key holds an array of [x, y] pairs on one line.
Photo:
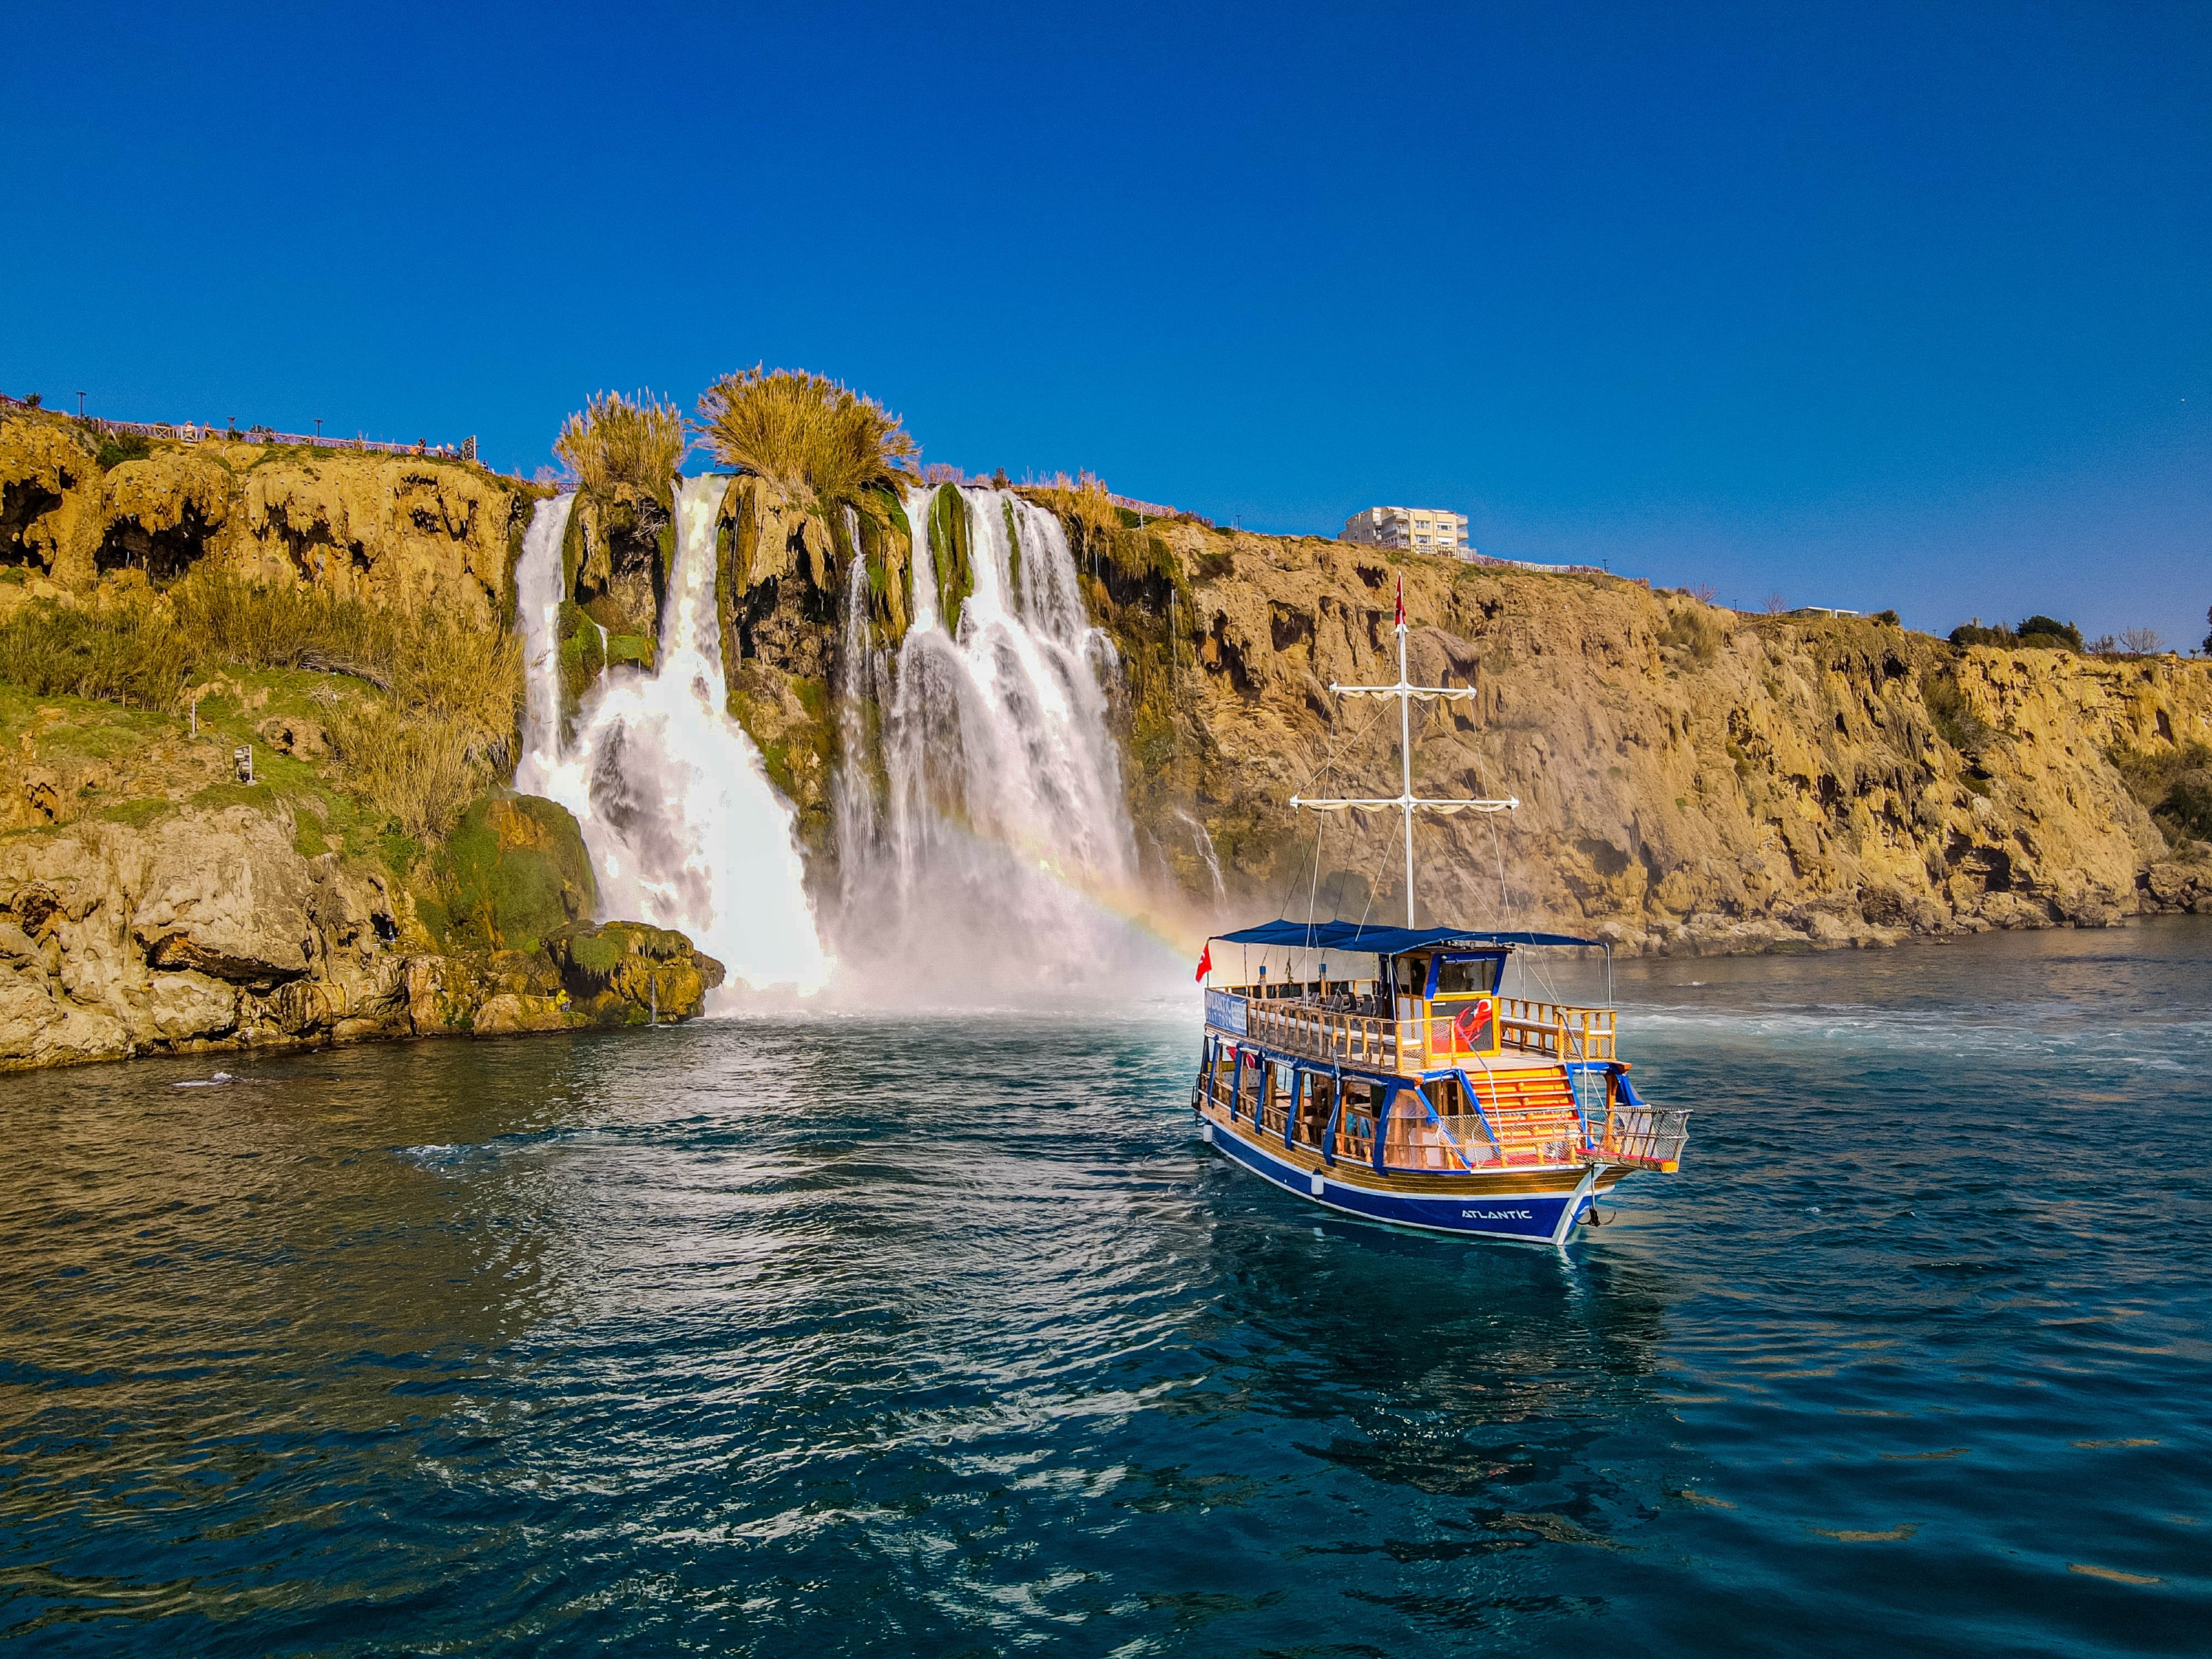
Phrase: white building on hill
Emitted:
{"points": [[1420, 529]]}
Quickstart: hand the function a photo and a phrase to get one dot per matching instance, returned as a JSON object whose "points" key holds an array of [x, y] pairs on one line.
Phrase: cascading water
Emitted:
{"points": [[683, 826], [1003, 859], [538, 609], [852, 789]]}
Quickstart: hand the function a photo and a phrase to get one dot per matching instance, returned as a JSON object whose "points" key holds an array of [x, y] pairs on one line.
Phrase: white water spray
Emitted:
{"points": [[1003, 859], [683, 826]]}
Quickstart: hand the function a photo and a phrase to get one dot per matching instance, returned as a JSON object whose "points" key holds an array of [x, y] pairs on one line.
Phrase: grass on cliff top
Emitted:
{"points": [[136, 766], [439, 724], [814, 439], [1083, 502]]}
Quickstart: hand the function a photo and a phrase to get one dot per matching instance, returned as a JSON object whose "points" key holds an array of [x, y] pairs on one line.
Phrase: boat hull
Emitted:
{"points": [[1544, 1209]]}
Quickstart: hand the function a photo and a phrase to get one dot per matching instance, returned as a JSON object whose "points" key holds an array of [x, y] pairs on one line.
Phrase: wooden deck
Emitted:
{"points": [[1299, 1025]]}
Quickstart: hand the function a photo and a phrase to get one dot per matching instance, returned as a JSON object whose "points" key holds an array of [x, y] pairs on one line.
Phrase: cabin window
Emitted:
{"points": [[1468, 978]]}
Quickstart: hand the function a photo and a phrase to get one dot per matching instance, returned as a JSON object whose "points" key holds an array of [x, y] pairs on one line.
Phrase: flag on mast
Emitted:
{"points": [[1401, 622], [1205, 962]]}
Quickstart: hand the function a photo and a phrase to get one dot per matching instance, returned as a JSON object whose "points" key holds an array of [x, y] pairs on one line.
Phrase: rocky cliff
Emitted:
{"points": [[76, 504], [155, 898], [1690, 779]]}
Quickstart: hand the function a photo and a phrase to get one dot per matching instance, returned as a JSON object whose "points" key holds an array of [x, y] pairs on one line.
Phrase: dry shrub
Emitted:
{"points": [[446, 730], [1083, 499], [615, 440], [443, 727], [812, 438], [230, 621], [122, 646]]}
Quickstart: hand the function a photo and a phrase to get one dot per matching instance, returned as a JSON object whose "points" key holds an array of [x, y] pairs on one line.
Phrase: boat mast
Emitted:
{"points": [[1407, 801]]}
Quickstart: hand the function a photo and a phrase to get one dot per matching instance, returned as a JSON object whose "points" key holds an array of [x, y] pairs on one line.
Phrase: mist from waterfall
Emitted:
{"points": [[683, 828], [998, 861]]}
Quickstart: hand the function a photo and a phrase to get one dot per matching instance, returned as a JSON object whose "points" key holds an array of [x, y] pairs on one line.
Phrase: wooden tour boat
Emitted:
{"points": [[1421, 1095]]}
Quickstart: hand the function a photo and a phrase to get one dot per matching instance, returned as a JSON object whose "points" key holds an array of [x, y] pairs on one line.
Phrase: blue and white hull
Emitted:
{"points": [[1537, 1207]]}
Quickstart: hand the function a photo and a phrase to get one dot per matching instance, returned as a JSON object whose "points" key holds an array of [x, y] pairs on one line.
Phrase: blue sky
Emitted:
{"points": [[1868, 305]]}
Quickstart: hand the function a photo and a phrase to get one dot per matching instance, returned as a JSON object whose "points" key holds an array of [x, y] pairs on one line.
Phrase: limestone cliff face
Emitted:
{"points": [[401, 531], [1690, 778], [205, 928]]}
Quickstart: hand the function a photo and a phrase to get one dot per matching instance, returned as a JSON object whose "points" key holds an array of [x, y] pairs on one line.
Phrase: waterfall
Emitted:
{"points": [[852, 786], [1004, 856], [683, 826], [538, 577], [1203, 839]]}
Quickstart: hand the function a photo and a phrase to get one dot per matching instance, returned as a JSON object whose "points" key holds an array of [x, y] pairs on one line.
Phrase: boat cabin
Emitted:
{"points": [[1433, 1002]]}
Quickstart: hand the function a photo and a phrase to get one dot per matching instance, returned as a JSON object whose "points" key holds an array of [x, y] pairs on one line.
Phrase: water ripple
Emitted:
{"points": [[818, 1335]]}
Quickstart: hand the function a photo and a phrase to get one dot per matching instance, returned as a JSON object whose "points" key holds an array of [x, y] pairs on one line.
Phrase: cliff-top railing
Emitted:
{"points": [[189, 432]]}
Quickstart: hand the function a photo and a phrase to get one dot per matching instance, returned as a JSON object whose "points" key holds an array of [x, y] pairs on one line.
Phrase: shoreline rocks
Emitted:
{"points": [[208, 930]]}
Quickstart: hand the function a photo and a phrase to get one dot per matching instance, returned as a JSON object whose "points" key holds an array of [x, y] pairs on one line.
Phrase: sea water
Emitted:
{"points": [[847, 1335]]}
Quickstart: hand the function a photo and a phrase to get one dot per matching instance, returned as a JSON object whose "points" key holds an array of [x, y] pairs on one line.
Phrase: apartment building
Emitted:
{"points": [[1420, 529]]}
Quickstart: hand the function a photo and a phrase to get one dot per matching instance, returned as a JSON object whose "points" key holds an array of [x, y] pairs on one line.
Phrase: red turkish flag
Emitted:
{"points": [[1205, 962], [1401, 601]]}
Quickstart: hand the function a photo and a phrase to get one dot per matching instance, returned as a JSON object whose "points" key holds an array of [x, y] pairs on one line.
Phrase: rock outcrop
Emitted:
{"points": [[403, 531], [211, 928]]}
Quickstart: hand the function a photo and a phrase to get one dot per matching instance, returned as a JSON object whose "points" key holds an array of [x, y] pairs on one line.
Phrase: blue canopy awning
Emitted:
{"points": [[1383, 941]]}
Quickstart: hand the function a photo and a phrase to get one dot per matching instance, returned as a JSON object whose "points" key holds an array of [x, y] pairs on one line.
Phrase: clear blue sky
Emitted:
{"points": [[1866, 306]]}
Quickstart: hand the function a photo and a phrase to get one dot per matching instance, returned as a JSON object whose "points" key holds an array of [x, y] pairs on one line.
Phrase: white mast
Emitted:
{"points": [[1407, 801]]}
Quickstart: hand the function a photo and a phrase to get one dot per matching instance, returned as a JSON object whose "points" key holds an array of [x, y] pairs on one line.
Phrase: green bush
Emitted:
{"points": [[2175, 784], [2049, 634], [116, 448], [2187, 810], [1953, 717], [121, 648]]}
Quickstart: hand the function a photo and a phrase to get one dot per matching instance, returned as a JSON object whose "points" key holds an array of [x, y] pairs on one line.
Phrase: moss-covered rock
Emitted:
{"points": [[949, 547], [887, 549], [513, 870], [626, 973]]}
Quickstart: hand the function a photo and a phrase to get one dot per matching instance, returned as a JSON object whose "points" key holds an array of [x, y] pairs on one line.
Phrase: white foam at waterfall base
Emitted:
{"points": [[683, 828], [1002, 867]]}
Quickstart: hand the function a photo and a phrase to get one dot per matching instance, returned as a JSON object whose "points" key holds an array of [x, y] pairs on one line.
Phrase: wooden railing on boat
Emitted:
{"points": [[1521, 1117], [1304, 1027], [1558, 1030], [1315, 1033]]}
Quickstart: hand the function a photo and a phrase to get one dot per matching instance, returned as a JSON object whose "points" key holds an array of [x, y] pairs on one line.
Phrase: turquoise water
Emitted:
{"points": [[948, 1337]]}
